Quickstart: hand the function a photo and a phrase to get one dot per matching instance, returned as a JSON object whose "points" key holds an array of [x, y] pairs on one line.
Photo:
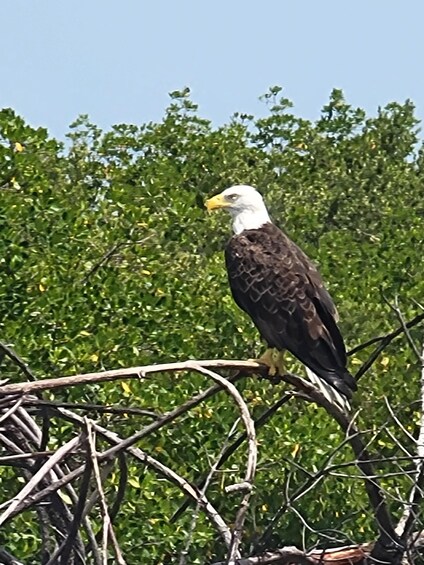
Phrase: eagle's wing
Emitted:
{"points": [[279, 287]]}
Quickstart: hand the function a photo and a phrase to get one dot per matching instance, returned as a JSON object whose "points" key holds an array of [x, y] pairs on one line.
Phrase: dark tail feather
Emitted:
{"points": [[333, 388], [344, 382]]}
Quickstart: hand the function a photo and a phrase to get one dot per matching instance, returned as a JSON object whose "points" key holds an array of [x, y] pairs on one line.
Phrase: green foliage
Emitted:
{"points": [[108, 260]]}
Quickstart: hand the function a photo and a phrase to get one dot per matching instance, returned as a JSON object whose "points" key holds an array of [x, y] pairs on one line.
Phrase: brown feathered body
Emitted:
{"points": [[279, 287]]}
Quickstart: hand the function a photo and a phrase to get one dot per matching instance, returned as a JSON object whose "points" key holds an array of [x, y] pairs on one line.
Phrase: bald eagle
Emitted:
{"points": [[279, 287]]}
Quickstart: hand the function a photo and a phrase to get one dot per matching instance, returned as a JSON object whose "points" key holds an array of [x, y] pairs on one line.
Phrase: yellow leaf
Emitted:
{"points": [[384, 361], [356, 361], [14, 184], [85, 333], [126, 387], [18, 147], [41, 288], [134, 482], [94, 358], [295, 449], [264, 507], [66, 499], [146, 272]]}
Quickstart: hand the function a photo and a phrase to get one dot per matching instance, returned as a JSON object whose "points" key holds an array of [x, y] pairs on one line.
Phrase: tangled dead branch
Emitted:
{"points": [[64, 485]]}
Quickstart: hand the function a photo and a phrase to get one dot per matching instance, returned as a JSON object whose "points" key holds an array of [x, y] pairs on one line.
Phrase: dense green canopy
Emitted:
{"points": [[107, 259]]}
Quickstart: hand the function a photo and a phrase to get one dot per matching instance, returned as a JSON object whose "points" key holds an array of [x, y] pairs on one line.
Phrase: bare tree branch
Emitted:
{"points": [[406, 523], [346, 555], [389, 337], [120, 445], [234, 446], [7, 558], [385, 340], [388, 546], [395, 308], [16, 501], [107, 523], [203, 489], [130, 373], [12, 409], [65, 549], [88, 407], [251, 457], [7, 351], [376, 498], [110, 253]]}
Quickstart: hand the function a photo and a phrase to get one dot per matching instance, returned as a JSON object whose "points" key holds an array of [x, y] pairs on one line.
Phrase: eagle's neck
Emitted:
{"points": [[250, 219]]}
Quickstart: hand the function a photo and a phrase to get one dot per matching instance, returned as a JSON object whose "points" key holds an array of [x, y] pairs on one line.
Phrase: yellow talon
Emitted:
{"points": [[274, 360], [279, 362]]}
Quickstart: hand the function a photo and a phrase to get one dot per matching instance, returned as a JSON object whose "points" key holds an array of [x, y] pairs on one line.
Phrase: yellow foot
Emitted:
{"points": [[274, 360]]}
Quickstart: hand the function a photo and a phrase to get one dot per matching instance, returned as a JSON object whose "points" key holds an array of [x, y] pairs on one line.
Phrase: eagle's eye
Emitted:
{"points": [[231, 197]]}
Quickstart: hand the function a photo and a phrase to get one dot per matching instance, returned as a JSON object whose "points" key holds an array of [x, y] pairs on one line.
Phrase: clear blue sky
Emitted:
{"points": [[116, 60]]}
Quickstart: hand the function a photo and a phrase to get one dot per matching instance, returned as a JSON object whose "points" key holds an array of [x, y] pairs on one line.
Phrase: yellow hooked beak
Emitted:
{"points": [[216, 202]]}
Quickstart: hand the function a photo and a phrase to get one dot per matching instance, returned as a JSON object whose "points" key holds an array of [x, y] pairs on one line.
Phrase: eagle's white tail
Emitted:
{"points": [[330, 393]]}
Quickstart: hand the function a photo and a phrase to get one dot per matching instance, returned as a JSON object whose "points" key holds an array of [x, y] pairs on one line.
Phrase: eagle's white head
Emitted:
{"points": [[245, 205]]}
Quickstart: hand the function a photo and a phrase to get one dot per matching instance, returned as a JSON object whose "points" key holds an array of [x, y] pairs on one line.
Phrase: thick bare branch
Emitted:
{"points": [[288, 555], [130, 373]]}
